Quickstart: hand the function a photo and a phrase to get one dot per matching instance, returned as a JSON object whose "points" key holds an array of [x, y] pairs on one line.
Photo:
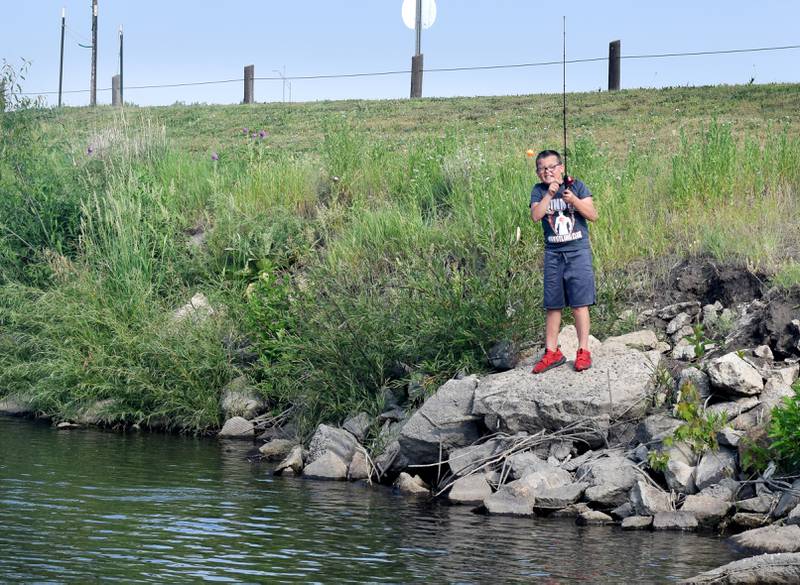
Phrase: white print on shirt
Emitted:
{"points": [[561, 218]]}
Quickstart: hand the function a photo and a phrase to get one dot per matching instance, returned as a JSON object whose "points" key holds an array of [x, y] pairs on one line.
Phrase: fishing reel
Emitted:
{"points": [[568, 182]]}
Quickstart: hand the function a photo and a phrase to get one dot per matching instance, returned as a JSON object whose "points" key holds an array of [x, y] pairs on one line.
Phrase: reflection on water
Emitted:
{"points": [[85, 505]]}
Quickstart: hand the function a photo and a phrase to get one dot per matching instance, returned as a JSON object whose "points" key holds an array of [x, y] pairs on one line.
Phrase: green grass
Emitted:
{"points": [[358, 246]]}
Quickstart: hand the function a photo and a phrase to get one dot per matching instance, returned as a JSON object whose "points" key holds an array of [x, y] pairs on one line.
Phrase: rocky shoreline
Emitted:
{"points": [[585, 445], [606, 446]]}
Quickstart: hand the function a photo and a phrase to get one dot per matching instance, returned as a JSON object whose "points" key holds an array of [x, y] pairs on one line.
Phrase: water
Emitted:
{"points": [[90, 506]]}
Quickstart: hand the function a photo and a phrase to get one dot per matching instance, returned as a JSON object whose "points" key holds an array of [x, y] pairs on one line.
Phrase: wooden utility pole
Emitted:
{"points": [[613, 65], [61, 60], [416, 60], [93, 87], [116, 91], [249, 74]]}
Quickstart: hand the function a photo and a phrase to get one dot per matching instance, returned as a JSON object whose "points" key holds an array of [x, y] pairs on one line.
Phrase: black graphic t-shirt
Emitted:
{"points": [[564, 228]]}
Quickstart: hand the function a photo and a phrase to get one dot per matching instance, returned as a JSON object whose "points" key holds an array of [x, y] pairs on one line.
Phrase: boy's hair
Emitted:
{"points": [[546, 153]]}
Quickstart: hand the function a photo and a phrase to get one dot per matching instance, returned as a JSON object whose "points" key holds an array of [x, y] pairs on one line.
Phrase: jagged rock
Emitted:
{"points": [[330, 439], [276, 449], [293, 464], [472, 489], [785, 373], [623, 511], [714, 466], [610, 479], [65, 426], [593, 518], [699, 380], [680, 477], [637, 522], [678, 322], [683, 351], [556, 498], [358, 425], [198, 309], [526, 462], [708, 510], [675, 521], [648, 500], [571, 511], [514, 499], [656, 427], [750, 520], [237, 428], [671, 311], [769, 539], [359, 466], [466, 459], [684, 333], [413, 486], [774, 392], [767, 569], [732, 374], [443, 423], [728, 437], [553, 477], [788, 501], [568, 341], [734, 408], [642, 340], [573, 464], [96, 412], [327, 466], [394, 414], [503, 355], [561, 450], [727, 489], [391, 460], [764, 352], [519, 401], [240, 399], [663, 347], [759, 504], [640, 454], [710, 314]]}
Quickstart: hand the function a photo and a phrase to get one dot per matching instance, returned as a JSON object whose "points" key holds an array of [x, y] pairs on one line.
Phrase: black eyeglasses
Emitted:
{"points": [[549, 168]]}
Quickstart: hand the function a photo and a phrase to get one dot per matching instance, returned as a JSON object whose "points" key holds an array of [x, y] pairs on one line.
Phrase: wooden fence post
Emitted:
{"points": [[116, 91], [613, 65], [249, 74]]}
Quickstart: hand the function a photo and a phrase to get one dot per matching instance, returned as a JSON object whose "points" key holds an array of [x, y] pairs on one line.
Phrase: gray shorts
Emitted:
{"points": [[568, 279]]}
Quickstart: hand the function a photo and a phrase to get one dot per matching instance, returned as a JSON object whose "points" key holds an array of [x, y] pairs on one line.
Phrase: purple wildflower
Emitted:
{"points": [[262, 134], [253, 135], [214, 156], [245, 130], [89, 150]]}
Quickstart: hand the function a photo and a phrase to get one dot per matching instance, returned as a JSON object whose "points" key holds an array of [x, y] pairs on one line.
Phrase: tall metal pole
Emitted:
{"points": [[93, 88], [121, 85], [416, 60], [61, 61], [614, 48]]}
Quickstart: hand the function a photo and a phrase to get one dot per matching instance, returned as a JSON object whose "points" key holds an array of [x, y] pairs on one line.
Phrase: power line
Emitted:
{"points": [[438, 69]]}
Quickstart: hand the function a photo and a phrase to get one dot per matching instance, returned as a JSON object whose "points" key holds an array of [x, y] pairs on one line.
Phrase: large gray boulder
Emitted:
{"points": [[733, 375], [616, 386], [684, 521], [330, 439], [770, 539], [15, 405], [472, 490], [648, 500], [466, 459], [237, 428], [526, 462], [514, 499], [609, 478], [767, 569], [556, 498], [680, 477], [708, 510], [239, 398], [643, 340], [327, 466], [443, 423], [788, 500]]}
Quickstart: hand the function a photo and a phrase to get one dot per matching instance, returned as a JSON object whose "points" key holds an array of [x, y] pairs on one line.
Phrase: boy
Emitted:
{"points": [[568, 275]]}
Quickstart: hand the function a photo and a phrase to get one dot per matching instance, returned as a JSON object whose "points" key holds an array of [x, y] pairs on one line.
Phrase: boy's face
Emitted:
{"points": [[550, 170]]}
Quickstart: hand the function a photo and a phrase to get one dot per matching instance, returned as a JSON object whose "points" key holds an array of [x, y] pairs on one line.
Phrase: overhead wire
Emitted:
{"points": [[436, 69]]}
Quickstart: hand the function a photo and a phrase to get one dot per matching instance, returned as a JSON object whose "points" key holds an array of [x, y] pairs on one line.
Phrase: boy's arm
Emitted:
{"points": [[539, 209], [585, 207]]}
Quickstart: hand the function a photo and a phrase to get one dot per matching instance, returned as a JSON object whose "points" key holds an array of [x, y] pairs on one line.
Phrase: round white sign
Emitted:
{"points": [[410, 13]]}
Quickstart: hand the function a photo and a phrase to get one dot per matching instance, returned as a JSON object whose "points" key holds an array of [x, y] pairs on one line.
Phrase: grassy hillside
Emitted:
{"points": [[357, 245]]}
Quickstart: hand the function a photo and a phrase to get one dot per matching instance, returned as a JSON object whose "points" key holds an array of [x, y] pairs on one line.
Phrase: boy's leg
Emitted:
{"points": [[552, 325], [582, 323]]}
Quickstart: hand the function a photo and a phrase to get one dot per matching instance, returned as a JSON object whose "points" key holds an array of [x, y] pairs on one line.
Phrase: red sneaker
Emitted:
{"points": [[583, 360], [550, 359]]}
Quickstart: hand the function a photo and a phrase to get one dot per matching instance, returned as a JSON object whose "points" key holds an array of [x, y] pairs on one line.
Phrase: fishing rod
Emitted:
{"points": [[568, 181]]}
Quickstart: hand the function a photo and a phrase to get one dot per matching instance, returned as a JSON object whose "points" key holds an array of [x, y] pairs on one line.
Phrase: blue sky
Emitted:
{"points": [[175, 41]]}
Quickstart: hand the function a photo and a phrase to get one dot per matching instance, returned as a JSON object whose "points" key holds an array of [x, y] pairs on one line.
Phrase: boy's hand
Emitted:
{"points": [[569, 197], [552, 189]]}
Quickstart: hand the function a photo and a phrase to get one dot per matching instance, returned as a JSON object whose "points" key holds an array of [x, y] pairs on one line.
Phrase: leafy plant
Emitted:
{"points": [[699, 429], [699, 340], [784, 430]]}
